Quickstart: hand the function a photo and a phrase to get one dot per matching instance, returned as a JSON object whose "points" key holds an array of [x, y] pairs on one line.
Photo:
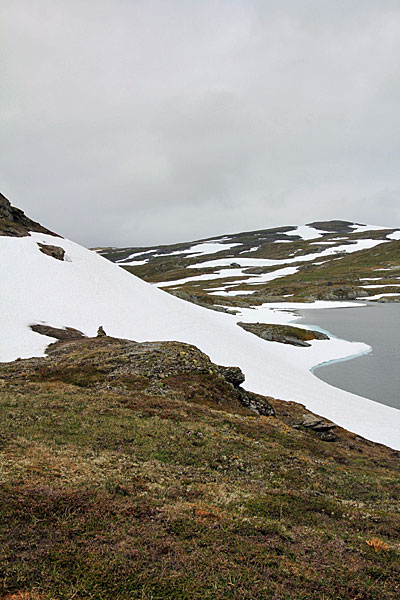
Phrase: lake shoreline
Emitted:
{"points": [[372, 373]]}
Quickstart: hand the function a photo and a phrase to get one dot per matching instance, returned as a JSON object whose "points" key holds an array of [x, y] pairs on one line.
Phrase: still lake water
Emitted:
{"points": [[375, 375]]}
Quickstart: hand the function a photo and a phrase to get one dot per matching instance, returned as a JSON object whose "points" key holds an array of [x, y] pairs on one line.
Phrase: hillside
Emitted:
{"points": [[55, 282], [332, 260], [136, 471]]}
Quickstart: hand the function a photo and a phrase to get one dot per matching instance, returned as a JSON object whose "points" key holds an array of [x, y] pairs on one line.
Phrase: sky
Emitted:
{"points": [[141, 122]]}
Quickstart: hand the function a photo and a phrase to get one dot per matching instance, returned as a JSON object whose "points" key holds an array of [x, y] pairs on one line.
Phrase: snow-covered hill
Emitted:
{"points": [[83, 290]]}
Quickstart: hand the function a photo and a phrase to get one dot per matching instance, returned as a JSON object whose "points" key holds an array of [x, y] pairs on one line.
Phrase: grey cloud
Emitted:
{"points": [[136, 123]]}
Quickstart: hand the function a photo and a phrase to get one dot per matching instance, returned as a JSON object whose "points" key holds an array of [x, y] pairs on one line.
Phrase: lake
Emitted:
{"points": [[375, 375]]}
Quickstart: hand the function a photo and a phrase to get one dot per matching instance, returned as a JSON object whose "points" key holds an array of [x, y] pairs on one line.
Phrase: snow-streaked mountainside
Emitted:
{"points": [[323, 260], [84, 290]]}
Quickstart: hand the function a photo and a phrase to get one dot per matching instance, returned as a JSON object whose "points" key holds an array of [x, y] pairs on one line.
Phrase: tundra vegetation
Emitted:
{"points": [[136, 471]]}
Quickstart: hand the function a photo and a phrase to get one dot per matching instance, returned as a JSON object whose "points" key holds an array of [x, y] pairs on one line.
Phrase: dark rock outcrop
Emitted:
{"points": [[285, 334], [54, 251], [66, 335], [233, 375], [340, 293], [333, 226], [14, 222], [256, 403]]}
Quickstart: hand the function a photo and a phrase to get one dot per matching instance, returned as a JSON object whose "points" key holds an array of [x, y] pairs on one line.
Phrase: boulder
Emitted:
{"points": [[64, 335], [54, 251], [233, 375]]}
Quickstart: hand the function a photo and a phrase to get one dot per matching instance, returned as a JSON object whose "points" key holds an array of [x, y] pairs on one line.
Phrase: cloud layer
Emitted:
{"points": [[130, 123]]}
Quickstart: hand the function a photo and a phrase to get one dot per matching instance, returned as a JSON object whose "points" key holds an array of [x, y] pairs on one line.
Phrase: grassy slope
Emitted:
{"points": [[132, 472]]}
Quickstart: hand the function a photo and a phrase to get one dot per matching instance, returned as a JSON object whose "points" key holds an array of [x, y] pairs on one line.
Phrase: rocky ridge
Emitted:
{"points": [[14, 222]]}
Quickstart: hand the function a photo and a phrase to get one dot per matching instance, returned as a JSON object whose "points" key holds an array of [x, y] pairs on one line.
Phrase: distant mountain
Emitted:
{"points": [[49, 283], [324, 260]]}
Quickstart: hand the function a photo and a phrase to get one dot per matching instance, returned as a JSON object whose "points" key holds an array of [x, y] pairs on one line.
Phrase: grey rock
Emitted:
{"points": [[324, 426], [65, 335], [310, 421], [328, 436], [317, 424]]}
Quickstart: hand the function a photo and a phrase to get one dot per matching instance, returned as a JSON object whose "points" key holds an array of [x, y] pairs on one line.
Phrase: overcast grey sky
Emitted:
{"points": [[127, 122]]}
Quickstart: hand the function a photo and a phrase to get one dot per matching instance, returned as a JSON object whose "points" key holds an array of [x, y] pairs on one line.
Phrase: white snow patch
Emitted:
{"points": [[134, 255], [382, 286], [201, 249], [326, 243], [365, 228], [306, 232], [394, 236], [264, 277], [370, 278], [133, 263], [249, 250], [224, 292], [233, 272], [209, 248]]}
